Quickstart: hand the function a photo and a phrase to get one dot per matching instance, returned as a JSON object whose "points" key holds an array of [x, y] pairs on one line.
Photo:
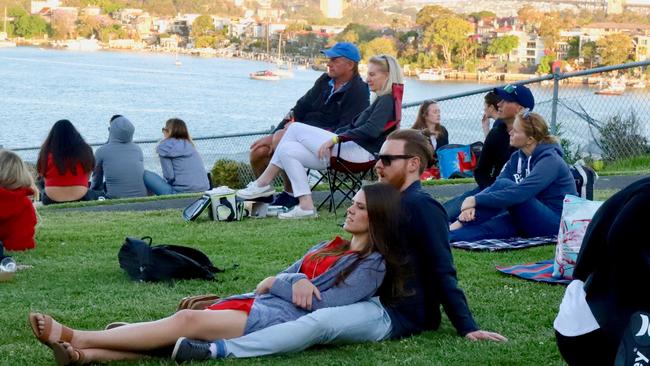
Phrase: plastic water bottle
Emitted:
{"points": [[7, 268]]}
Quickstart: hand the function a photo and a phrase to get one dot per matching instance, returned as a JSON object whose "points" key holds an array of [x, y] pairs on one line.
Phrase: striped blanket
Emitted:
{"points": [[540, 272], [494, 245]]}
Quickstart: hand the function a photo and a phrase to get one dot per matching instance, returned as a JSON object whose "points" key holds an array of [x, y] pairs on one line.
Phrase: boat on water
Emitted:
{"points": [[264, 75], [82, 44], [6, 44], [431, 75], [614, 88]]}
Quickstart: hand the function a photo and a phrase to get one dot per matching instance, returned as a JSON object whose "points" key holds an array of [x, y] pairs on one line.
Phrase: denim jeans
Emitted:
{"points": [[528, 219], [157, 184], [365, 321], [453, 205]]}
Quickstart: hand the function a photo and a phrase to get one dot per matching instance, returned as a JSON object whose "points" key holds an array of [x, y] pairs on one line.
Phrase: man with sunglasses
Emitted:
{"points": [[336, 98], [496, 148], [432, 281]]}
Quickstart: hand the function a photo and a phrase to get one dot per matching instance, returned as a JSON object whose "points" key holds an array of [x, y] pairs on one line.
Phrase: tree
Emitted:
{"points": [[27, 26], [447, 34], [483, 14], [614, 48], [545, 64], [202, 26], [549, 30], [589, 52], [530, 16], [430, 13], [503, 45], [381, 45], [362, 32], [574, 47]]}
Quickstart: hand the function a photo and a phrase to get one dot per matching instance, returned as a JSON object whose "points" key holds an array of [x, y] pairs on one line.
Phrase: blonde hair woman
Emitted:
{"points": [[526, 198], [17, 216], [307, 147]]}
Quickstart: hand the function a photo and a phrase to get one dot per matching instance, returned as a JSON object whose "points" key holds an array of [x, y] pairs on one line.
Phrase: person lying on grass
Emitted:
{"points": [[332, 273]]}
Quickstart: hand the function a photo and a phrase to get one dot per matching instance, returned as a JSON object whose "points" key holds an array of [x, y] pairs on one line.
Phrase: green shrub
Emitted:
{"points": [[620, 138], [226, 172]]}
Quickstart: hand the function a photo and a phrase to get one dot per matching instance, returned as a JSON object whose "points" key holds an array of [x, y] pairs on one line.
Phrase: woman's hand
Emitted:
{"points": [[265, 286], [485, 335], [303, 292], [467, 215], [325, 150], [469, 202]]}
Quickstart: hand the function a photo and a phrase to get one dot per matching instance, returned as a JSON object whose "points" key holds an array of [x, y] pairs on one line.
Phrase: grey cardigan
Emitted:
{"points": [[277, 307]]}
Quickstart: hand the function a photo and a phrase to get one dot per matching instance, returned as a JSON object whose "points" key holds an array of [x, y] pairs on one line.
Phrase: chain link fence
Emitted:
{"points": [[599, 113]]}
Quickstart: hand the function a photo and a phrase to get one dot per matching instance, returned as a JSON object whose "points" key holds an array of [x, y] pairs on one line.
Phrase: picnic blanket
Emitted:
{"points": [[539, 272], [493, 245]]}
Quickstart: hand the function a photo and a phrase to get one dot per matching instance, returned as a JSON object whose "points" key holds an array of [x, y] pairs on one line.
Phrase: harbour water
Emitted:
{"points": [[215, 96]]}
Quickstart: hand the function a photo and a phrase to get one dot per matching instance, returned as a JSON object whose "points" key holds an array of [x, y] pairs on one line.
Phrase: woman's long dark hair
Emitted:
{"points": [[384, 209], [68, 148], [421, 122]]}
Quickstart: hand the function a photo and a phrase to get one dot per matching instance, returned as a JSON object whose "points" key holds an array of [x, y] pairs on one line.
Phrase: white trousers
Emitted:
{"points": [[298, 151]]}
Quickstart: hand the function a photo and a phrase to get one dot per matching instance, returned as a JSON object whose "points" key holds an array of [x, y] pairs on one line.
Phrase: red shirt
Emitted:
{"points": [[17, 219], [54, 178], [311, 267]]}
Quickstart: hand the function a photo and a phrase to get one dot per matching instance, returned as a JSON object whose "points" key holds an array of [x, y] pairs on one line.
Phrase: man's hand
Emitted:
{"points": [[325, 150], [467, 215], [303, 292], [478, 335], [265, 286]]}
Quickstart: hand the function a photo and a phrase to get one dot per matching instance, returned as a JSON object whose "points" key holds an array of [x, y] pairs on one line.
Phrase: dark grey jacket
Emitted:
{"points": [[120, 163]]}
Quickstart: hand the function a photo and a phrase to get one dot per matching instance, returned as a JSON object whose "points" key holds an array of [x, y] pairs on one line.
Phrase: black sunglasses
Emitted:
{"points": [[386, 160]]}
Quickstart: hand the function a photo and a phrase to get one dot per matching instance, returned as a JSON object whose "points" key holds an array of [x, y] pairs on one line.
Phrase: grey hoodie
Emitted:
{"points": [[182, 166], [120, 162]]}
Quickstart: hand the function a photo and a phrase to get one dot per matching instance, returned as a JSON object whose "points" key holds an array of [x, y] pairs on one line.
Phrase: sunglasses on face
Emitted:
{"points": [[386, 159]]}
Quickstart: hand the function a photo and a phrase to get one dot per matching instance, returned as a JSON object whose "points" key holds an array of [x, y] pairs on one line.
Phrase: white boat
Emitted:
{"points": [[264, 75], [82, 44], [614, 88], [431, 75], [641, 84], [6, 44]]}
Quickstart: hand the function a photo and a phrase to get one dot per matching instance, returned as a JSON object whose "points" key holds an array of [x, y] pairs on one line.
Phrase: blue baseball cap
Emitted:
{"points": [[519, 94], [343, 49]]}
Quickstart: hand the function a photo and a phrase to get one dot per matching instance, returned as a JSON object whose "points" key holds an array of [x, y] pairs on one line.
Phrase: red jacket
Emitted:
{"points": [[17, 219]]}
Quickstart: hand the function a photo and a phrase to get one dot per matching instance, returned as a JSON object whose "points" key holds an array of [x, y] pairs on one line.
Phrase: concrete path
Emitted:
{"points": [[442, 192]]}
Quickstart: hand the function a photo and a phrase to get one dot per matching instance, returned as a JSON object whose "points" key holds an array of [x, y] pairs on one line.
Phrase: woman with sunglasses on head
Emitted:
{"points": [[333, 273], [182, 166], [526, 199], [307, 147]]}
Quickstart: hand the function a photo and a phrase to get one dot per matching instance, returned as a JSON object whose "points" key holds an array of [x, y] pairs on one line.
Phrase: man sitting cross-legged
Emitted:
{"points": [[403, 157], [335, 99]]}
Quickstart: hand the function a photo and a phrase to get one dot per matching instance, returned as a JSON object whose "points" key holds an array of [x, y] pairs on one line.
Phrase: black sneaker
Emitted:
{"points": [[191, 350], [635, 345], [285, 199]]}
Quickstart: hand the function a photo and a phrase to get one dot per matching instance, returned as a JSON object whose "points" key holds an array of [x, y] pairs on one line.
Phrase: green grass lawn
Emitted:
{"points": [[76, 278]]}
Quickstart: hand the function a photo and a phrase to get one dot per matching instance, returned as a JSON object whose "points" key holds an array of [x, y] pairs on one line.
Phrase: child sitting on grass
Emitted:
{"points": [[17, 215]]}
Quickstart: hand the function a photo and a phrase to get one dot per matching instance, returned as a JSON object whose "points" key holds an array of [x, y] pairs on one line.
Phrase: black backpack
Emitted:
{"points": [[144, 262]]}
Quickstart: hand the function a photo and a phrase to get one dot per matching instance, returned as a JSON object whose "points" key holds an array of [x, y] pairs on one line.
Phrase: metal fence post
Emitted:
{"points": [[556, 89]]}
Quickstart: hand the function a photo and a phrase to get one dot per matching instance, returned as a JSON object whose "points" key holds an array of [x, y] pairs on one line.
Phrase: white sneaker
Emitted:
{"points": [[298, 213], [252, 191]]}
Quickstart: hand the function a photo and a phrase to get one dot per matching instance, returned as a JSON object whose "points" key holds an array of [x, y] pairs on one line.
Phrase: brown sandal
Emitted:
{"points": [[49, 336], [198, 302], [62, 356]]}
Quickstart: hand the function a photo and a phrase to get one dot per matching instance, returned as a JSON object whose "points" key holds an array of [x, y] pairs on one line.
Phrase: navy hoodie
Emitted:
{"points": [[543, 175]]}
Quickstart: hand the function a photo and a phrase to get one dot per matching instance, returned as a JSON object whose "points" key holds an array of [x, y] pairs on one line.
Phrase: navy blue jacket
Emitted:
{"points": [[543, 175], [317, 108], [433, 281]]}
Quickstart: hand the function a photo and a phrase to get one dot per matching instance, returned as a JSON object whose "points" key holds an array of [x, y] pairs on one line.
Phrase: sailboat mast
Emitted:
{"points": [[4, 28]]}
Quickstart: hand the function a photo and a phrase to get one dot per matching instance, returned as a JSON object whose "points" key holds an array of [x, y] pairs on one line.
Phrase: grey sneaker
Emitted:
{"points": [[187, 350], [252, 191]]}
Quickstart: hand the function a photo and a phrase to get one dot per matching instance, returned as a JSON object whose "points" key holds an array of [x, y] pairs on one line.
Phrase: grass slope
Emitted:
{"points": [[77, 279]]}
